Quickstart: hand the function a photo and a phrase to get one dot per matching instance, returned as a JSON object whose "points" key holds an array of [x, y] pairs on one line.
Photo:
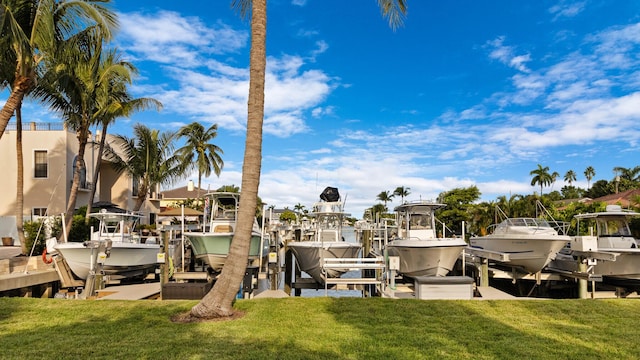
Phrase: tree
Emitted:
{"points": [[541, 177], [20, 182], [32, 30], [459, 202], [219, 301], [116, 102], [229, 188], [199, 153], [385, 197], [402, 192], [589, 173], [299, 210], [630, 174], [570, 177], [147, 158], [74, 86]]}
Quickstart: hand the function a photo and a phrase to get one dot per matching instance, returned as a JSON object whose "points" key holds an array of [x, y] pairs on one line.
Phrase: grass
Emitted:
{"points": [[322, 328]]}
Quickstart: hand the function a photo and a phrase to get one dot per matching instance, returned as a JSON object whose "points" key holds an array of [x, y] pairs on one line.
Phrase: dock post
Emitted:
{"points": [[582, 283], [288, 260], [164, 274], [366, 242], [484, 276]]}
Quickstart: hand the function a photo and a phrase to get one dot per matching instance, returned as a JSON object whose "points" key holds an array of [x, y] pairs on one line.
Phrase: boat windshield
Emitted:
{"points": [[528, 222], [419, 222], [613, 227]]}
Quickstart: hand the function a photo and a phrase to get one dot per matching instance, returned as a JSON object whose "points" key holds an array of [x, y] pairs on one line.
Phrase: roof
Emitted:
{"points": [[623, 199], [178, 212], [182, 193]]}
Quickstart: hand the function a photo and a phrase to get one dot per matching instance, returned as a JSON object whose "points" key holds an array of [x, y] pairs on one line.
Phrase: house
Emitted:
{"points": [[49, 154], [626, 199], [169, 197]]}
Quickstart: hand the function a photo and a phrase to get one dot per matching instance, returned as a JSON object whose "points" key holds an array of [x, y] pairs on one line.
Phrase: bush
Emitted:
{"points": [[33, 229]]}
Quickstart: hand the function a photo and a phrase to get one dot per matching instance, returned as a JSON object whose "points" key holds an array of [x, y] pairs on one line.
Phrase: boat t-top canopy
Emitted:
{"points": [[419, 207], [106, 216], [611, 210]]}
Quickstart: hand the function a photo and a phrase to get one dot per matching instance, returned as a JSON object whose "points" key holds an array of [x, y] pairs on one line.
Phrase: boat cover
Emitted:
{"points": [[330, 194]]}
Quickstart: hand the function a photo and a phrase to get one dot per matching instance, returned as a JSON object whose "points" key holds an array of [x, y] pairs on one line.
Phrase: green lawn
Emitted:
{"points": [[323, 328]]}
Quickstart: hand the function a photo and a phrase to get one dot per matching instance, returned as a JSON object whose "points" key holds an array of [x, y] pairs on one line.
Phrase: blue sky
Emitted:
{"points": [[466, 93]]}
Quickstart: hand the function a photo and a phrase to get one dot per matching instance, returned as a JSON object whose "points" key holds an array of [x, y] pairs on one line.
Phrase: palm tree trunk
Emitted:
{"points": [[20, 181], [21, 85], [142, 196], [219, 301], [83, 133], [96, 171]]}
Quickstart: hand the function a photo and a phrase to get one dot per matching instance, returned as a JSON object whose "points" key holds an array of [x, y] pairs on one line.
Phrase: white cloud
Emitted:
{"points": [[168, 37], [506, 54], [567, 9]]}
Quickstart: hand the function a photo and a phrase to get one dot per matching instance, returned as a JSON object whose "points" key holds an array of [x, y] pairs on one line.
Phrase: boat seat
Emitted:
{"points": [[223, 229]]}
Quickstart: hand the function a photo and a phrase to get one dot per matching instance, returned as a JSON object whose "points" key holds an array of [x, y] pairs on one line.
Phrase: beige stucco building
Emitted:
{"points": [[49, 151]]}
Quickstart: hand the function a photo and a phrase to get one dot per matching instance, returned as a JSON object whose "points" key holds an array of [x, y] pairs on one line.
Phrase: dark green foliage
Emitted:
{"points": [[288, 216]]}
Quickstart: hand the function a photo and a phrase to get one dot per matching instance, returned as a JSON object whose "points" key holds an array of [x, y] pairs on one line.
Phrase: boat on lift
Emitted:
{"points": [[421, 252], [530, 243], [125, 253], [212, 245], [326, 240], [612, 237]]}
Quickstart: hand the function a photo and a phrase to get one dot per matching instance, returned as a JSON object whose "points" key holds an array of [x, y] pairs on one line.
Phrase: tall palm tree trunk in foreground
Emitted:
{"points": [[219, 301], [20, 182]]}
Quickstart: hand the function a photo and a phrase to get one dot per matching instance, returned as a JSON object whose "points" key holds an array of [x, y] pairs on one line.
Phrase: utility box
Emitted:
{"points": [[584, 243], [185, 290], [394, 263], [443, 287]]}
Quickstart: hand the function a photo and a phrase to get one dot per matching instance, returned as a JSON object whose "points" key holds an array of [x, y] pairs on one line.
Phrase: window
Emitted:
{"points": [[135, 186], [41, 166], [38, 212]]}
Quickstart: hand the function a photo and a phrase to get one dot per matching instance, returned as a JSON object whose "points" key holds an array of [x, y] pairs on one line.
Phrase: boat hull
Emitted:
{"points": [[309, 255], [125, 259], [426, 257], [525, 252], [213, 248], [626, 265]]}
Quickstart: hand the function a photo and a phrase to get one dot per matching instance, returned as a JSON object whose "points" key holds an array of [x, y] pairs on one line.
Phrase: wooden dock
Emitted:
{"points": [[24, 272], [130, 292]]}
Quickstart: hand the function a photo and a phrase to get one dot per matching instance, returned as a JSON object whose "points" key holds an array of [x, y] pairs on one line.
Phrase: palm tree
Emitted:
{"points": [[589, 173], [20, 182], [299, 208], [219, 301], [631, 174], [148, 158], [570, 177], [542, 177], [229, 188], [76, 86], [117, 102], [554, 176], [385, 197], [199, 146], [31, 31], [402, 192]]}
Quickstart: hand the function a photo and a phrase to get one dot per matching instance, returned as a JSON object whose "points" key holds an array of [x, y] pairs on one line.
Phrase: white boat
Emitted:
{"points": [[530, 243], [612, 237], [326, 240], [126, 255], [212, 245], [420, 250]]}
